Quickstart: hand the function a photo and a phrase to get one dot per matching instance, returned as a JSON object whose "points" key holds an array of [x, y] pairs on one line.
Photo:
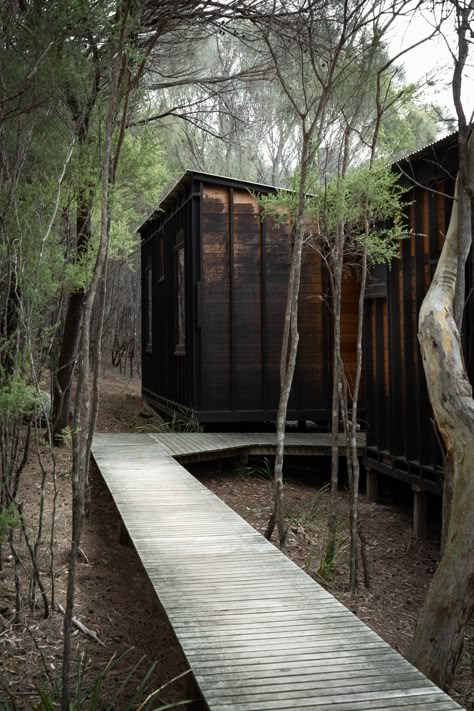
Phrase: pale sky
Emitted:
{"points": [[432, 61]]}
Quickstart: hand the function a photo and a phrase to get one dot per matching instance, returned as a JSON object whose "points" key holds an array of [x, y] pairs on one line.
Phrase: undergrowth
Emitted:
{"points": [[176, 424], [96, 694]]}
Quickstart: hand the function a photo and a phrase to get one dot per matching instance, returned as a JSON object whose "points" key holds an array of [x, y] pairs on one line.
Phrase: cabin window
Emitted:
{"points": [[180, 294], [149, 310]]}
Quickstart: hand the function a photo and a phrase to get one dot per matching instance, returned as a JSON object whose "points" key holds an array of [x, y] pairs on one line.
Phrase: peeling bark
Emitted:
{"points": [[449, 603]]}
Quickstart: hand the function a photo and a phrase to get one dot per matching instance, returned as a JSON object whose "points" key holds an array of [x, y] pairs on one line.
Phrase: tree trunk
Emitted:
{"points": [[355, 523], [70, 337], [448, 482], [288, 356], [336, 282], [449, 603], [66, 365], [83, 418]]}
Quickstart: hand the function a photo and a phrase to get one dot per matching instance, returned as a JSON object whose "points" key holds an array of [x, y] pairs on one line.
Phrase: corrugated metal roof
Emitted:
{"points": [[429, 148]]}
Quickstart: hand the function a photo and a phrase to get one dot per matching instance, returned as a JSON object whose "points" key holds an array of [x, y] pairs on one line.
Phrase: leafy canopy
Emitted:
{"points": [[367, 204]]}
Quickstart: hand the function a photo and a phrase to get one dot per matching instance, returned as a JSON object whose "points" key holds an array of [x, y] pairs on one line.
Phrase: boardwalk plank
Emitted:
{"points": [[259, 634]]}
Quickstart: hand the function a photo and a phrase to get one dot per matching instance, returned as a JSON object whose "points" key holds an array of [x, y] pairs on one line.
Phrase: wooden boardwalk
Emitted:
{"points": [[195, 446], [259, 634]]}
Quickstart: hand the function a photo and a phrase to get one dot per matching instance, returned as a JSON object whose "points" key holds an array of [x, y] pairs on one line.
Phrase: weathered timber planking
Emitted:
{"points": [[258, 633], [195, 446]]}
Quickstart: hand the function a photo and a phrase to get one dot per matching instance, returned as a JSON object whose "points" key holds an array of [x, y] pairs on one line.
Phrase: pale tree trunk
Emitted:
{"points": [[354, 454], [336, 383], [289, 352], [464, 13], [336, 266], [449, 603]]}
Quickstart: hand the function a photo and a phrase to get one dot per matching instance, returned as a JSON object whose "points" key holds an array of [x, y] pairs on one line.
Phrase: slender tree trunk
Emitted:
{"points": [[71, 331], [288, 355], [336, 396], [355, 524], [344, 410], [66, 365], [336, 265], [449, 603], [82, 414]]}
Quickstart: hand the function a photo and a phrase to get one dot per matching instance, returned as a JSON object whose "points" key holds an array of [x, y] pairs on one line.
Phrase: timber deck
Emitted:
{"points": [[196, 446], [259, 634]]}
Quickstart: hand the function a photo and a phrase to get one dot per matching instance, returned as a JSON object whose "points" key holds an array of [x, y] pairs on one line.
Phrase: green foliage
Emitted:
{"points": [[367, 204], [178, 423], [411, 127], [140, 181], [64, 438], [308, 513], [264, 470], [18, 399], [334, 546], [374, 194], [98, 694], [9, 519]]}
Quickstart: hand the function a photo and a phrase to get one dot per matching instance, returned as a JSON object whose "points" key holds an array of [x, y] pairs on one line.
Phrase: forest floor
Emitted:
{"points": [[115, 599]]}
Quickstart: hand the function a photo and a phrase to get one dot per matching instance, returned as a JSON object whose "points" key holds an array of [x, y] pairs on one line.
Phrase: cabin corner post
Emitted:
{"points": [[196, 257], [232, 282], [372, 485], [420, 512], [124, 537]]}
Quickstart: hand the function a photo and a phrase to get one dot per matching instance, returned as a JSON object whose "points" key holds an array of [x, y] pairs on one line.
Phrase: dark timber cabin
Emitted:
{"points": [[214, 282], [401, 437]]}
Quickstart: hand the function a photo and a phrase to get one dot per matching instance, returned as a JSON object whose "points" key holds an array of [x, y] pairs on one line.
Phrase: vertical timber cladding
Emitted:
{"points": [[311, 389], [349, 324], [245, 265], [376, 359], [276, 244], [216, 386], [309, 394], [246, 301], [147, 313], [402, 441], [416, 445], [232, 342], [167, 364]]}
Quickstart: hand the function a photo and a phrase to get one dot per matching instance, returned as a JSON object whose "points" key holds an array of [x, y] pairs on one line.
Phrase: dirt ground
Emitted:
{"points": [[115, 599]]}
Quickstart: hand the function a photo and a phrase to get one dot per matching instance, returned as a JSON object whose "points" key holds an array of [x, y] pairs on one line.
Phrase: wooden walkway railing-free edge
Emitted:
{"points": [[258, 632]]}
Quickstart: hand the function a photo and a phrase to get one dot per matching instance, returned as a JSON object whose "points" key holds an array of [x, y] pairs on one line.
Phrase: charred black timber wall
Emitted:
{"points": [[236, 275], [402, 441], [166, 370]]}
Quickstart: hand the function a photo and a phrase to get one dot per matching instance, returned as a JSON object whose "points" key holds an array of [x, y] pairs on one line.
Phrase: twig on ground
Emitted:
{"points": [[82, 628]]}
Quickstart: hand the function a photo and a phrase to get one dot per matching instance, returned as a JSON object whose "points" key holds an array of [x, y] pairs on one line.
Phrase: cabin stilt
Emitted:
{"points": [[420, 513], [371, 486]]}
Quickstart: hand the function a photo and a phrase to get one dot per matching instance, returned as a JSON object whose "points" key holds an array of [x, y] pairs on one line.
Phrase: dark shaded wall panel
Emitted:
{"points": [[216, 346], [349, 322], [401, 437], [167, 373], [310, 389], [236, 271], [246, 303], [276, 254]]}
